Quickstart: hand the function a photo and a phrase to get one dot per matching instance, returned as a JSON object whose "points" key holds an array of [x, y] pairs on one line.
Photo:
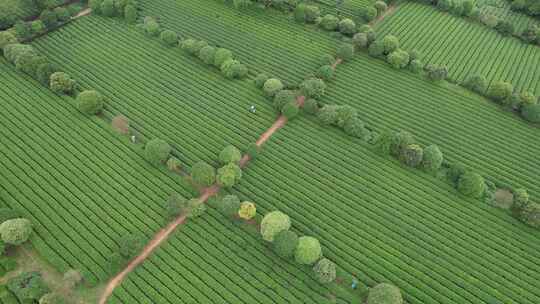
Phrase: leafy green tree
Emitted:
{"points": [[531, 215], [233, 69], [384, 293], [360, 40], [272, 86], [196, 208], [44, 72], [28, 287], [326, 59], [526, 98], [49, 18], [229, 175], [500, 91], [308, 250], [6, 38], [369, 31], [130, 245], [151, 26], [325, 72], [247, 211], [520, 201], [376, 48], [398, 59], [437, 73], [261, 79], [345, 51], [313, 88], [52, 298], [107, 8], [531, 113], [355, 127], [130, 14], [455, 172], [329, 22], [95, 5], [347, 26], [472, 184], [505, 28], [90, 102], [207, 54], [412, 155], [368, 13], [15, 231], [229, 206], [61, 82], [328, 115], [345, 113], [285, 243], [203, 174], [311, 106], [416, 66], [390, 43], [477, 83], [468, 6], [174, 164], [273, 223], [381, 7], [230, 154], [290, 110], [433, 158], [168, 37], [399, 141], [325, 271], [282, 98], [157, 151], [311, 13]]}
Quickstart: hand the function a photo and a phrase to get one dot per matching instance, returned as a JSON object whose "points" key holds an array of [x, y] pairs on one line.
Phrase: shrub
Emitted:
{"points": [[131, 244], [368, 13], [261, 79], [234, 69], [290, 110], [347, 26], [273, 223], [221, 56], [384, 293], [416, 66], [380, 6], [412, 155], [282, 98], [203, 174], [505, 28], [174, 206], [49, 18], [174, 164], [37, 27], [15, 231], [344, 113], [308, 250], [44, 72], [398, 59], [253, 150], [527, 98], [207, 54], [229, 175], [72, 278], [520, 199], [390, 43], [368, 30], [360, 40], [95, 5], [325, 72], [157, 151], [168, 37], [130, 14], [399, 141], [326, 59], [328, 115], [489, 20], [90, 102], [272, 86], [311, 106], [107, 8], [500, 91], [61, 82], [476, 83], [189, 45], [437, 73], [531, 215], [455, 172], [247, 210], [433, 158], [355, 127], [28, 287], [8, 214], [472, 184], [285, 243], [311, 13], [345, 51], [325, 271], [151, 26], [230, 205], [230, 154], [196, 208], [313, 88], [329, 22], [531, 113], [6, 38], [376, 48]]}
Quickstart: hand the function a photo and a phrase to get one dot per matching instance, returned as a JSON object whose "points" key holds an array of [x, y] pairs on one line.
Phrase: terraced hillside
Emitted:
{"points": [[469, 129], [266, 40], [384, 222], [213, 261], [465, 47], [81, 187], [165, 93]]}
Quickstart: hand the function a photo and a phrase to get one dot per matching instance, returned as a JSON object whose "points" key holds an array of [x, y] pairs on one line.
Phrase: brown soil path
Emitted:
{"points": [[84, 12], [164, 233]]}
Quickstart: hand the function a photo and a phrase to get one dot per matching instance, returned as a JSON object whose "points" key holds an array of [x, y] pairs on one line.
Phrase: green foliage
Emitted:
{"points": [[15, 231], [307, 13], [412, 155], [390, 43], [329, 22], [326, 59], [381, 7], [416, 66], [433, 158], [151, 26], [398, 59], [531, 113], [472, 184], [436, 73], [174, 206], [282, 98], [261, 79], [325, 271], [376, 49], [6, 38], [157, 151], [455, 172], [272, 86], [290, 110], [325, 72], [49, 18], [328, 114], [505, 28], [230, 154], [384, 293], [308, 250], [253, 150], [234, 69], [355, 127], [174, 164], [130, 14], [222, 55], [37, 27], [273, 223], [207, 54], [168, 37], [44, 72], [285, 243], [311, 106], [369, 31], [107, 8], [61, 82], [28, 287], [52, 298], [399, 141], [196, 208], [368, 13], [477, 83], [527, 98], [203, 174], [131, 245], [347, 27], [95, 5], [500, 91], [345, 51], [530, 215], [360, 40], [229, 175], [23, 30], [313, 88], [90, 102], [242, 3], [229, 205]]}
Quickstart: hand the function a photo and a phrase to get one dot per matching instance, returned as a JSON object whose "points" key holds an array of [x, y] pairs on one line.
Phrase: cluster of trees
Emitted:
{"points": [[284, 5], [230, 173], [231, 207], [29, 287], [221, 58], [284, 99], [344, 117], [504, 93], [305, 250], [330, 22], [177, 204], [369, 13], [126, 9], [128, 247], [524, 209], [9, 10], [529, 7]]}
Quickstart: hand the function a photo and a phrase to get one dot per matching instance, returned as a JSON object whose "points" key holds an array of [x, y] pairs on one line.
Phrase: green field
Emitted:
{"points": [[385, 222], [164, 92], [467, 48], [501, 9]]}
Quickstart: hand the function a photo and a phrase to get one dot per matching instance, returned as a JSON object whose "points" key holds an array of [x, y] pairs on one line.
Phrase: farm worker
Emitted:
{"points": [[252, 109], [354, 284], [133, 139]]}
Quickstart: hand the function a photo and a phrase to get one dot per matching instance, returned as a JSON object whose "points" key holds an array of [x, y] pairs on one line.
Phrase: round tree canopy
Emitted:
{"points": [[90, 102], [273, 223], [157, 151], [472, 184], [203, 174], [308, 250], [384, 294], [230, 154], [15, 231], [272, 86], [285, 243]]}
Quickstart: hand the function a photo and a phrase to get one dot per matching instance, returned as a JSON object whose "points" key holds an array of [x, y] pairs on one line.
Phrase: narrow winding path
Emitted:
{"points": [[164, 233]]}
